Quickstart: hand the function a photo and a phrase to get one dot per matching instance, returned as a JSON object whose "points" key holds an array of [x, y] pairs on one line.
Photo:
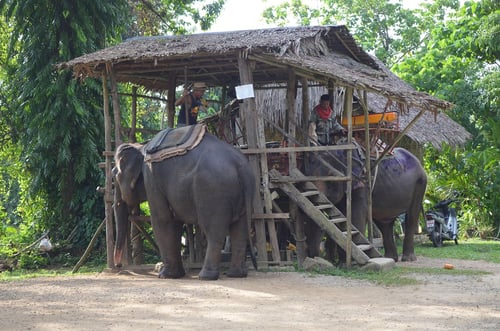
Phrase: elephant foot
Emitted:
{"points": [[208, 275], [409, 257], [392, 256], [237, 273], [165, 273]]}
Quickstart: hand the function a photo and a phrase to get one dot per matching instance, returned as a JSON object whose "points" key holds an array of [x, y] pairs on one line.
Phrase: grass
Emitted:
{"points": [[402, 275], [20, 274], [471, 249]]}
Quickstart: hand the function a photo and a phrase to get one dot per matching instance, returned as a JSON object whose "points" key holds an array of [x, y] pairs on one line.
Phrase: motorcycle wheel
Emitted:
{"points": [[437, 239]]}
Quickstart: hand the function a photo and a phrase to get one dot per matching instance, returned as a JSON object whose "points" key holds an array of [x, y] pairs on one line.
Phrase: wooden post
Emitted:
{"points": [[291, 93], [249, 114], [171, 101], [108, 186], [118, 138], [369, 220], [305, 110], [348, 109], [116, 105], [133, 120]]}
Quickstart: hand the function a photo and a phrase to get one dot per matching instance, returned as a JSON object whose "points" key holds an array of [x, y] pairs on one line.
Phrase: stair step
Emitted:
{"points": [[365, 247], [338, 220], [310, 193], [321, 210]]}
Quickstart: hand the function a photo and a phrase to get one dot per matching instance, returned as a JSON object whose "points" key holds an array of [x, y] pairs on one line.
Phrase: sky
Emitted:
{"points": [[247, 14]]}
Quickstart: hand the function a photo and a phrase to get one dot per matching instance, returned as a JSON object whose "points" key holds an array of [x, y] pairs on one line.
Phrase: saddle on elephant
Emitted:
{"points": [[173, 142]]}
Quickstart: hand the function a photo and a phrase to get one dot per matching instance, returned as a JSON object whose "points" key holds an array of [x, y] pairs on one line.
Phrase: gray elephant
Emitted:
{"points": [[399, 187], [212, 186]]}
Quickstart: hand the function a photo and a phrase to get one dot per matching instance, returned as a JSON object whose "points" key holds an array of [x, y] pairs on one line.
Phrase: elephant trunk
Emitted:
{"points": [[121, 210], [118, 257]]}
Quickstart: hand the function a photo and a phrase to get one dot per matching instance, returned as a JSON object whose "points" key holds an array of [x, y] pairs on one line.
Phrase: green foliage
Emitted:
{"points": [[56, 122], [450, 51], [157, 17], [476, 177], [453, 65], [387, 29], [469, 249], [32, 261], [51, 124]]}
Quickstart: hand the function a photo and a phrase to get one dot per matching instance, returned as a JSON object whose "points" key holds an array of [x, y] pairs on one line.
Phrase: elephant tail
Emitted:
{"points": [[248, 188]]}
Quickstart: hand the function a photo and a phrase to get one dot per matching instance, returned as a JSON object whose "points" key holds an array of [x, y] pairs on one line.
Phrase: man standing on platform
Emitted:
{"points": [[190, 103]]}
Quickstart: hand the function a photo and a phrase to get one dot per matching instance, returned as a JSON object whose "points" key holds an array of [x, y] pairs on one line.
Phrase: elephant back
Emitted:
{"points": [[173, 142]]}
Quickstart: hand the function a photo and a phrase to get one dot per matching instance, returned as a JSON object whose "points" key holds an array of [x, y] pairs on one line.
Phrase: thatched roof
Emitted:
{"points": [[322, 53], [432, 128]]}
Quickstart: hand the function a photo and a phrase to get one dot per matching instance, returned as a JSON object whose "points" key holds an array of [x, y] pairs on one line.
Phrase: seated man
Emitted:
{"points": [[322, 123]]}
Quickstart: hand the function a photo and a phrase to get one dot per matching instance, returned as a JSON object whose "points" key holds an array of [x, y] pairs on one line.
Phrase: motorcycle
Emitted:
{"points": [[442, 223]]}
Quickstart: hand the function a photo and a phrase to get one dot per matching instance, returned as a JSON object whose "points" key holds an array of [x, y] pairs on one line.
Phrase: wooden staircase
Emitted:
{"points": [[319, 209]]}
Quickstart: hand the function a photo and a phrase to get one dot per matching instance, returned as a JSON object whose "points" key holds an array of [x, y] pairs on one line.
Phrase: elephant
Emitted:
{"points": [[399, 187], [211, 186]]}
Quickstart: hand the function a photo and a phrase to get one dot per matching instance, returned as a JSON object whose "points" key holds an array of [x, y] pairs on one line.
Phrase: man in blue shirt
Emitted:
{"points": [[190, 100]]}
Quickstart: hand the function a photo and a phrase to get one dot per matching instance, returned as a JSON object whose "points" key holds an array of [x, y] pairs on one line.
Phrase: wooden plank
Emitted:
{"points": [[248, 113], [348, 98], [288, 179], [297, 149], [108, 186], [270, 216]]}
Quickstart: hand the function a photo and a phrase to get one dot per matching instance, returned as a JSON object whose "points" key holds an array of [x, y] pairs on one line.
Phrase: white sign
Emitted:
{"points": [[244, 91]]}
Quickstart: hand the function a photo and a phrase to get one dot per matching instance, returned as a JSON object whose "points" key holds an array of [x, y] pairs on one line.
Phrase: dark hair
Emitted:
{"points": [[325, 97]]}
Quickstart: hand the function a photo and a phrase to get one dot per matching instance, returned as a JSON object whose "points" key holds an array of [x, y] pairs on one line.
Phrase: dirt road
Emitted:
{"points": [[263, 301]]}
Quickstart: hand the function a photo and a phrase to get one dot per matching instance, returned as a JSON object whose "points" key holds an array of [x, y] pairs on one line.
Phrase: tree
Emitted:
{"points": [[384, 27], [156, 17], [460, 62], [56, 120], [51, 123], [448, 50]]}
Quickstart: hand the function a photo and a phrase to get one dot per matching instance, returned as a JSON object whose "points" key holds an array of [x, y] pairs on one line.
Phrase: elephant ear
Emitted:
{"points": [[128, 160]]}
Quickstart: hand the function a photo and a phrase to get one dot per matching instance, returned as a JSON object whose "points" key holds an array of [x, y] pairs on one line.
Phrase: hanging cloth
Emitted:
{"points": [[324, 113]]}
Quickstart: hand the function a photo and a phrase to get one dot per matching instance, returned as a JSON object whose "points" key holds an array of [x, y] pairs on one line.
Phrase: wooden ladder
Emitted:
{"points": [[319, 209]]}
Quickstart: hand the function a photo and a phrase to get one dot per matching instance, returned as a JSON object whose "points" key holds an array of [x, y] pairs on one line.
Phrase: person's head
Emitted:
{"points": [[324, 100], [199, 89]]}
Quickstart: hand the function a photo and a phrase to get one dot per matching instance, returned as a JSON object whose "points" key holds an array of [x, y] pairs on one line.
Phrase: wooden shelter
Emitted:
{"points": [[290, 60]]}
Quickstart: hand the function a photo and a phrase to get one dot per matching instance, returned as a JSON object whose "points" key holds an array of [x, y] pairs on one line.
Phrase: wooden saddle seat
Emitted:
{"points": [[173, 142]]}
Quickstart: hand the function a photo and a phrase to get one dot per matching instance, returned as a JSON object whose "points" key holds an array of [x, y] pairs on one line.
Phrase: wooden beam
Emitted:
{"points": [[348, 97], [171, 101], [262, 216], [248, 113], [347, 47], [297, 149], [108, 186], [363, 99], [116, 104], [133, 120]]}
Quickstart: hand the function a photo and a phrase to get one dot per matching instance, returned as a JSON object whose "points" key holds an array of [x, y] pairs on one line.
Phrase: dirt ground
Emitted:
{"points": [[263, 301]]}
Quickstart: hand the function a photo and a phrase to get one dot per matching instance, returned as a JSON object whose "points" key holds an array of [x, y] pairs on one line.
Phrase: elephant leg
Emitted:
{"points": [[411, 225], [239, 239], [387, 229], [168, 234], [215, 242], [314, 236]]}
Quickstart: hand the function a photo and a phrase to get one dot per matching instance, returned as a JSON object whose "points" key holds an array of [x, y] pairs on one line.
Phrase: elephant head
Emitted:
{"points": [[129, 192], [332, 163]]}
